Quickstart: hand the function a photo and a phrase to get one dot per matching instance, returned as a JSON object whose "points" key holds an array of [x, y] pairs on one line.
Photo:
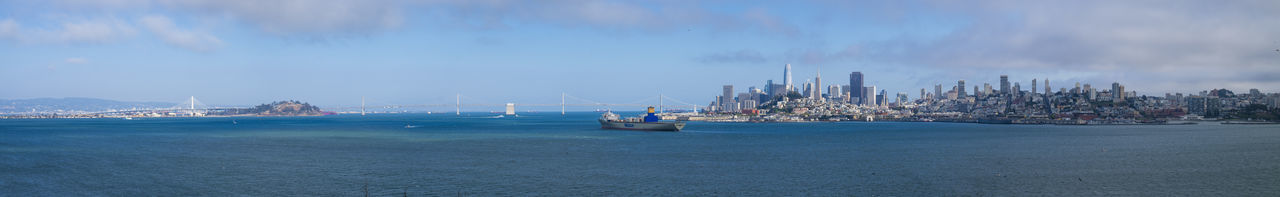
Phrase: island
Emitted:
{"points": [[278, 108]]}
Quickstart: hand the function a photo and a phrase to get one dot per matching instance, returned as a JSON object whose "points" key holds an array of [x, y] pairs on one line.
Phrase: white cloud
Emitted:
{"points": [[165, 29], [69, 32], [76, 60]]}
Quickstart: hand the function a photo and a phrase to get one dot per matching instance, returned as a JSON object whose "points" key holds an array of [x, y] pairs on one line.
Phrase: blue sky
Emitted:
{"points": [[232, 52]]}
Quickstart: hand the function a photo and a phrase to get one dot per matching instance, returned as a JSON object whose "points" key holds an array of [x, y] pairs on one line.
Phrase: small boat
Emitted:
{"points": [[650, 122], [128, 118], [409, 126], [498, 116], [234, 122]]}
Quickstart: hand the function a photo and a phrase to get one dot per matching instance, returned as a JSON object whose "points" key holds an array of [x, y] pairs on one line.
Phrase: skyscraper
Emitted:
{"points": [[960, 89], [1004, 84], [1016, 92], [922, 94], [1033, 86], [855, 82], [726, 100], [1117, 92], [786, 78], [833, 91], [937, 91], [1047, 90], [868, 95], [807, 90], [768, 88], [817, 85]]}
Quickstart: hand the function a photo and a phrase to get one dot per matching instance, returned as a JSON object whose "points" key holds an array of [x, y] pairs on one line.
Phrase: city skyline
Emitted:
{"points": [[334, 52]]}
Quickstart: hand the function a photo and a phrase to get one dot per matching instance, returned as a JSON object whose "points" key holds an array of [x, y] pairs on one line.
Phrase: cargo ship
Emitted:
{"points": [[649, 122]]}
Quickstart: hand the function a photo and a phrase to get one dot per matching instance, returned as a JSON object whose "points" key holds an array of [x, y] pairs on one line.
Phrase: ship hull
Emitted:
{"points": [[642, 126]]}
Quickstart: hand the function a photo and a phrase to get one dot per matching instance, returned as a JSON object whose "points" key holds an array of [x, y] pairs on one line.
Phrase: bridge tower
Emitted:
{"points": [[361, 105]]}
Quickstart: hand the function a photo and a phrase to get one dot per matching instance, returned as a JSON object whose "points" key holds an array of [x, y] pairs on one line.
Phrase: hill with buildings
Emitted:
{"points": [[73, 105], [278, 108]]}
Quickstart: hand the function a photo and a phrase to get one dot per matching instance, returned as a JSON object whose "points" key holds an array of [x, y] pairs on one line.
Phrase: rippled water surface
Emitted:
{"points": [[550, 154]]}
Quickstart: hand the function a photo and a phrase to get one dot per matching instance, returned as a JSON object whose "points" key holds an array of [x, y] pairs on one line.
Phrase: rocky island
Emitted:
{"points": [[278, 108]]}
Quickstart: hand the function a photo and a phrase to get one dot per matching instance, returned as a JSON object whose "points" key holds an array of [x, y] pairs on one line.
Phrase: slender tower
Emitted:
{"points": [[562, 103], [457, 108], [660, 105], [786, 78], [361, 105], [193, 105], [817, 85]]}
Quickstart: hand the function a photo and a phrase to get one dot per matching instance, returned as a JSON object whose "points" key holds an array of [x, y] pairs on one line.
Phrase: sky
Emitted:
{"points": [[333, 52]]}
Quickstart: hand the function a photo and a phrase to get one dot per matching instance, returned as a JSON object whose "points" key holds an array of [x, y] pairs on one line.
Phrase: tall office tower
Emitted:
{"points": [[922, 94], [902, 99], [833, 91], [1047, 90], [845, 90], [1016, 91], [855, 82], [1004, 84], [743, 99], [960, 89], [726, 99], [1033, 86], [817, 85], [986, 89], [976, 92], [1077, 89], [883, 98], [808, 89], [1116, 91], [868, 95], [786, 78], [768, 88], [937, 91], [1088, 92]]}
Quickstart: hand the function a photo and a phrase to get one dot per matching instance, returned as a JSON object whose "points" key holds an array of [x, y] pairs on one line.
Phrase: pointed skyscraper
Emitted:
{"points": [[786, 78]]}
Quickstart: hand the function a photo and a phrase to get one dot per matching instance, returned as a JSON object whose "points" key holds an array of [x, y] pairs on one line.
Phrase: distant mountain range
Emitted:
{"points": [[72, 105]]}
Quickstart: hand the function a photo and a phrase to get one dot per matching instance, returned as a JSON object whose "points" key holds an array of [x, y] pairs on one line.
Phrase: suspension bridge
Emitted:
{"points": [[193, 107]]}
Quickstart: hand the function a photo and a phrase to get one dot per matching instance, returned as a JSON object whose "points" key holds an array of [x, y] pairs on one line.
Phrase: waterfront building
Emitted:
{"points": [[960, 89]]}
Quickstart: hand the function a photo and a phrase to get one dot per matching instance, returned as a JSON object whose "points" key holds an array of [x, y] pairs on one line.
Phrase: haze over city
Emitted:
{"points": [[413, 52]]}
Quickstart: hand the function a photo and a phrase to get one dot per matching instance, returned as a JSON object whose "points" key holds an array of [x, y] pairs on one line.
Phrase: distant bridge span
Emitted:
{"points": [[194, 106]]}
